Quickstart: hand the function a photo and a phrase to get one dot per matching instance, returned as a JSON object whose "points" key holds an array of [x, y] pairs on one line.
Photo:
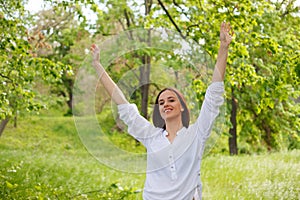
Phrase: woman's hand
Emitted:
{"points": [[225, 38], [96, 55], [225, 34], [113, 90]]}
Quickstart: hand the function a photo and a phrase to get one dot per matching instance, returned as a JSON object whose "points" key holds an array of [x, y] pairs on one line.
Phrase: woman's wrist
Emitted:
{"points": [[99, 68], [224, 46]]}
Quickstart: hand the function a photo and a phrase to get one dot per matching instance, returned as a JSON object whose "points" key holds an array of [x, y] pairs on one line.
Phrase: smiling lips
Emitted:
{"points": [[166, 110]]}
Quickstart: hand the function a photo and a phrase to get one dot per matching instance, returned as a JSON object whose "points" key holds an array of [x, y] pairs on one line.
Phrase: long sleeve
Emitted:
{"points": [[210, 109], [140, 128]]}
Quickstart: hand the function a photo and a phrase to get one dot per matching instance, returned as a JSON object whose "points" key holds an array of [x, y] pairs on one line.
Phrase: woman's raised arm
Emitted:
{"points": [[225, 39], [110, 86]]}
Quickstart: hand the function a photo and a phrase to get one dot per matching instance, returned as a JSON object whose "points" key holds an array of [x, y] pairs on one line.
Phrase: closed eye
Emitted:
{"points": [[170, 99], [161, 103]]}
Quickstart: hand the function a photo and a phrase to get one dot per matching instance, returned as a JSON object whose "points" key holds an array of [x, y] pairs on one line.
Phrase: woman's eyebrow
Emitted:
{"points": [[169, 97]]}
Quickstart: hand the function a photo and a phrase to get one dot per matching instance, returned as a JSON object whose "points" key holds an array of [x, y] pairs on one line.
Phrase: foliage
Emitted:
{"points": [[20, 67], [251, 177], [49, 159], [64, 32], [267, 112], [40, 162], [262, 65]]}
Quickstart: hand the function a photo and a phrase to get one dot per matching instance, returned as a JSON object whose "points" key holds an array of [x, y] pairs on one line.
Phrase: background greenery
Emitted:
{"points": [[41, 54], [44, 159]]}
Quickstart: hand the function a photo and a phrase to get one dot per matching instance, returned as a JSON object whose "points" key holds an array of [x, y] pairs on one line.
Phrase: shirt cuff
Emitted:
{"points": [[217, 87]]}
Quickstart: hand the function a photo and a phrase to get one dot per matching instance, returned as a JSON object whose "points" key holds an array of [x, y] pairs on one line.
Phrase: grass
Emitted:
{"points": [[45, 159], [273, 176]]}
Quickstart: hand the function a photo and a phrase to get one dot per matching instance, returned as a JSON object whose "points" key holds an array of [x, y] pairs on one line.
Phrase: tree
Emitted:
{"points": [[20, 64], [261, 77], [123, 16], [63, 28]]}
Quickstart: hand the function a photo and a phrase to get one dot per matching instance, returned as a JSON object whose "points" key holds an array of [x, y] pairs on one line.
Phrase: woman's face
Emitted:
{"points": [[169, 105]]}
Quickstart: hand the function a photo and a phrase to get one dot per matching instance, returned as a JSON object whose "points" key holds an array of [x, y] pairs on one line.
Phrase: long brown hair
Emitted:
{"points": [[158, 121]]}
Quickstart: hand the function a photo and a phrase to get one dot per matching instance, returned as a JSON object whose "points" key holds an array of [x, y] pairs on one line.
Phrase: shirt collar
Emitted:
{"points": [[181, 131]]}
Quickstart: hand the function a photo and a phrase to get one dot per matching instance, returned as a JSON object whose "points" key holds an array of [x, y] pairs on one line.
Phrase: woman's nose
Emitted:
{"points": [[165, 104]]}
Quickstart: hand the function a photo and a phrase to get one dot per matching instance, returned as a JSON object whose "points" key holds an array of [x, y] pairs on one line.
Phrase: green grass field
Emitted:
{"points": [[43, 158]]}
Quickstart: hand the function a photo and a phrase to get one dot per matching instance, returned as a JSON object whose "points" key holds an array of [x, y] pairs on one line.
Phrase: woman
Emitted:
{"points": [[174, 148]]}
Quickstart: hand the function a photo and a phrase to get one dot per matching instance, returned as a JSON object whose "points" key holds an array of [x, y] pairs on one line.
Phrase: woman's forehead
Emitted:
{"points": [[166, 94]]}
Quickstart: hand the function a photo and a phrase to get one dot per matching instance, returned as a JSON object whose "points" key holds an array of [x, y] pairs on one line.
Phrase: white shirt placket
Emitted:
{"points": [[172, 166]]}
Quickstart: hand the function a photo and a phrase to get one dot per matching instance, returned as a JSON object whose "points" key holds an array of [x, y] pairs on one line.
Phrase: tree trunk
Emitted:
{"points": [[69, 84], [144, 82], [267, 137], [176, 78], [3, 125], [70, 103], [145, 70], [233, 149], [16, 120]]}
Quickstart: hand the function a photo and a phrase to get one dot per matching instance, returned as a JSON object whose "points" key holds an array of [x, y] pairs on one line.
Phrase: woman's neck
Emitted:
{"points": [[173, 126]]}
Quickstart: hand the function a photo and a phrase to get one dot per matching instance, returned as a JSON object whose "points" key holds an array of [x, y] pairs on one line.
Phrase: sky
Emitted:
{"points": [[36, 5]]}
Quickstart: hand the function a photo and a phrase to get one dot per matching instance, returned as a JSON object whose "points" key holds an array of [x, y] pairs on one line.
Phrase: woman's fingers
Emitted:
{"points": [[226, 33], [95, 53], [94, 48], [228, 27], [223, 25]]}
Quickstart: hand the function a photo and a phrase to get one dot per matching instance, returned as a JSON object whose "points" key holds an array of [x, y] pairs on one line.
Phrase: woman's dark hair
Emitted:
{"points": [[158, 121]]}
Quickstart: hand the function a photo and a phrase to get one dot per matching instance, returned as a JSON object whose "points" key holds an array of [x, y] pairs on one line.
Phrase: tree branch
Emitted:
{"points": [[182, 10], [171, 19], [148, 5], [7, 11], [6, 77], [127, 18], [190, 27]]}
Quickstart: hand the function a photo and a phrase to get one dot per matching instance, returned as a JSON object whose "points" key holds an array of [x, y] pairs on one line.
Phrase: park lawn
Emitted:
{"points": [[43, 158]]}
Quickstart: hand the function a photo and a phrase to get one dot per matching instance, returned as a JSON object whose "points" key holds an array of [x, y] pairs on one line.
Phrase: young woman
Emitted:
{"points": [[174, 148]]}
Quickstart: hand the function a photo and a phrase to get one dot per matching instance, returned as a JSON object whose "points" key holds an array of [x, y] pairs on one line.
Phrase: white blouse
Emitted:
{"points": [[173, 169]]}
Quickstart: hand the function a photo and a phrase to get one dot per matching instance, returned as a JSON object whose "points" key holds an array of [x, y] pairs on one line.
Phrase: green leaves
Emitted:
{"points": [[263, 64], [20, 67]]}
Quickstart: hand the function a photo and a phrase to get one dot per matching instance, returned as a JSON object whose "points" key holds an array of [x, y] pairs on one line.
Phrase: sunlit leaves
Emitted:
{"points": [[263, 64], [20, 66]]}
